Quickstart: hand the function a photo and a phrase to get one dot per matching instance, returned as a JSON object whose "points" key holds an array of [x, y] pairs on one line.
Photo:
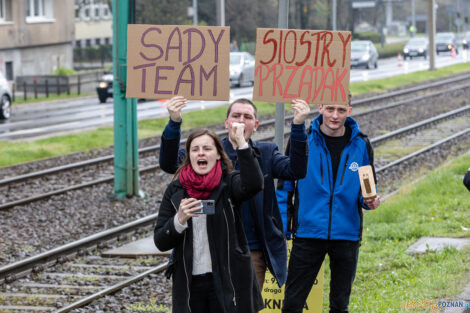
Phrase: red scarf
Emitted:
{"points": [[198, 186]]}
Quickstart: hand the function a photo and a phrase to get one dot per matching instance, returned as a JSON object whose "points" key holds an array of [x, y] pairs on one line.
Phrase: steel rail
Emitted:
{"points": [[266, 138], [423, 150], [356, 103], [114, 288], [21, 268]]}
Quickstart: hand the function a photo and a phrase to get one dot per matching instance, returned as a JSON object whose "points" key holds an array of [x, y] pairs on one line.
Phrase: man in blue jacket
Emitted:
{"points": [[261, 218], [328, 209]]}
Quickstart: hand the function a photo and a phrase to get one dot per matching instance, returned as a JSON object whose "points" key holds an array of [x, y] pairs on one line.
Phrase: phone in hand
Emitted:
{"points": [[208, 207]]}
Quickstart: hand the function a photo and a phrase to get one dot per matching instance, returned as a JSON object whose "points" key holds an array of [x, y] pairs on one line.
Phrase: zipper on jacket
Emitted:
{"points": [[344, 169], [234, 300], [184, 264], [321, 168]]}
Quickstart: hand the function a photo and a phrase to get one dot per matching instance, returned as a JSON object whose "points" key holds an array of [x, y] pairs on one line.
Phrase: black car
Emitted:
{"points": [[416, 47], [445, 42], [105, 88], [466, 41]]}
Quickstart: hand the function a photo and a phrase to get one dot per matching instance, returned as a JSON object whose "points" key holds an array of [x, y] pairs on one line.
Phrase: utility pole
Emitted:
{"points": [[195, 21], [220, 12], [432, 32], [126, 155], [283, 23], [333, 15], [413, 18]]}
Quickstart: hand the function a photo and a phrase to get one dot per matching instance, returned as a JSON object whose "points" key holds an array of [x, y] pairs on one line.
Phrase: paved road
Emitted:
{"points": [[45, 119]]}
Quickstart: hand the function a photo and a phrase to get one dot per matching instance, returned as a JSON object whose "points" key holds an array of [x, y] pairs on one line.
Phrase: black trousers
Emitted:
{"points": [[203, 297], [306, 258]]}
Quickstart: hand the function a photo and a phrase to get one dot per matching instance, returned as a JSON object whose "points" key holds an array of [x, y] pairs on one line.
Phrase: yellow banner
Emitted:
{"points": [[273, 296]]}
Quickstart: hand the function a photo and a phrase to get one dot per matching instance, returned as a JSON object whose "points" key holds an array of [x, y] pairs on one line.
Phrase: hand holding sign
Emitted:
{"points": [[174, 107], [238, 130], [301, 111]]}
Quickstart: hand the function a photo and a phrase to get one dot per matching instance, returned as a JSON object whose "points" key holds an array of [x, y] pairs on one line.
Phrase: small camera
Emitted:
{"points": [[208, 207]]}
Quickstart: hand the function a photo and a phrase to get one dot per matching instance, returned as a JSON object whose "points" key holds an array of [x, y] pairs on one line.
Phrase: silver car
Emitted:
{"points": [[5, 98], [242, 69], [364, 53]]}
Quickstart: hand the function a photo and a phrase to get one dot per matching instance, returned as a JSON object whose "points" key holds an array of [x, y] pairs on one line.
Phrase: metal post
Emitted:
{"points": [[283, 23], [195, 13], [126, 157], [220, 12], [413, 18], [432, 32], [333, 15]]}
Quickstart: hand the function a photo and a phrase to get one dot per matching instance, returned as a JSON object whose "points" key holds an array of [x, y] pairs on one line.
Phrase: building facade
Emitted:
{"points": [[93, 24], [37, 36]]}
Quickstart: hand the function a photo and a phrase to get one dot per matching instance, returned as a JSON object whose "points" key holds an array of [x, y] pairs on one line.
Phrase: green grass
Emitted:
{"points": [[20, 100], [24, 151], [437, 205]]}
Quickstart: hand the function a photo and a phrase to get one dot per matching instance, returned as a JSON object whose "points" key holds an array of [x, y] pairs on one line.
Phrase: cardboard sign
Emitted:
{"points": [[164, 61], [366, 176], [313, 65], [273, 296]]}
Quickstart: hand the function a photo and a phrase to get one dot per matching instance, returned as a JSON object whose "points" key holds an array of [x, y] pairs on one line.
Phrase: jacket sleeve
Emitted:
{"points": [[171, 156], [466, 179], [165, 235], [293, 166], [249, 181]]}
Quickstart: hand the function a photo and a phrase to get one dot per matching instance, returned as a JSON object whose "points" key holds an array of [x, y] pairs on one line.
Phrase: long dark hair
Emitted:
{"points": [[226, 162]]}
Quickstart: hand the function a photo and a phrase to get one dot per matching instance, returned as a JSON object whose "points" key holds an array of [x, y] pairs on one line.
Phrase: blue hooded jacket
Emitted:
{"points": [[325, 210]]}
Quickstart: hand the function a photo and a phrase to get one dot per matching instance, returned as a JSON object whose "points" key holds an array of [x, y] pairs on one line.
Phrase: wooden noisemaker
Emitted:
{"points": [[366, 176]]}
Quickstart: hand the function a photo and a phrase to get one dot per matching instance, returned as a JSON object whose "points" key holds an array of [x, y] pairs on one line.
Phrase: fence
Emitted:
{"points": [[32, 86]]}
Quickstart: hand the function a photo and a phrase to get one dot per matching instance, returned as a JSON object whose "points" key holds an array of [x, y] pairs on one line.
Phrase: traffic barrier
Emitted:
{"points": [[399, 59], [452, 53]]}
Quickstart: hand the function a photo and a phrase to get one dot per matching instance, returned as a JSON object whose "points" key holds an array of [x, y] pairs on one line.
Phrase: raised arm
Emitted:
{"points": [[170, 154]]}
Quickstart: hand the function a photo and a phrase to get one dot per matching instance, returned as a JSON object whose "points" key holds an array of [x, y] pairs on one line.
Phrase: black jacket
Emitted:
{"points": [[267, 217], [466, 179], [234, 279]]}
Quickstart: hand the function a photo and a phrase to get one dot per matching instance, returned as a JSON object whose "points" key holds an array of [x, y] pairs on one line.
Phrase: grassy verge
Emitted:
{"points": [[73, 95], [387, 277], [19, 152]]}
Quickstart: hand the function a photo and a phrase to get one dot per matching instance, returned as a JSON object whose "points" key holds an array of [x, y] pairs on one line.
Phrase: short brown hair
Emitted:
{"points": [[243, 101]]}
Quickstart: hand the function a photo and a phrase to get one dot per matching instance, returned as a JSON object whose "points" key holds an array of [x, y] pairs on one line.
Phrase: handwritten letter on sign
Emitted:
{"points": [[308, 64], [164, 61]]}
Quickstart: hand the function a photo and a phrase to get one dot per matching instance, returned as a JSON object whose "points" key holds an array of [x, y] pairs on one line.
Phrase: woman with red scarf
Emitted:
{"points": [[211, 263]]}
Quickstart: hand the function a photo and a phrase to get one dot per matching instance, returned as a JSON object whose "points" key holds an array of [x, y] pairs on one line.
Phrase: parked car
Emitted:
{"points": [[466, 41], [5, 98], [242, 68], [363, 54], [105, 87], [416, 47], [445, 42]]}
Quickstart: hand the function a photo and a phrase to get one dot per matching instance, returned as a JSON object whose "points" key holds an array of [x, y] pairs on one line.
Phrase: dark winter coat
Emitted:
{"points": [[274, 165], [232, 270]]}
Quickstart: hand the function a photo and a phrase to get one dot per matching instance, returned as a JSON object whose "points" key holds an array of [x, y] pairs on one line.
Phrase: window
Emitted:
{"points": [[5, 11], [39, 11], [9, 70]]}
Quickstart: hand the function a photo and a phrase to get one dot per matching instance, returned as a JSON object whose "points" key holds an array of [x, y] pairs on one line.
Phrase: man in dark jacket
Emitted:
{"points": [[261, 218], [328, 217]]}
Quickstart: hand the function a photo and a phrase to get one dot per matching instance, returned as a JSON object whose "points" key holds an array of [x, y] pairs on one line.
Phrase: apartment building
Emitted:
{"points": [[93, 23], [36, 36]]}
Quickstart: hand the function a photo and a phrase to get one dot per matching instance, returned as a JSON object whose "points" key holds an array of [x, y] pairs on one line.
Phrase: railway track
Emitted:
{"points": [[96, 171], [32, 284], [80, 261]]}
